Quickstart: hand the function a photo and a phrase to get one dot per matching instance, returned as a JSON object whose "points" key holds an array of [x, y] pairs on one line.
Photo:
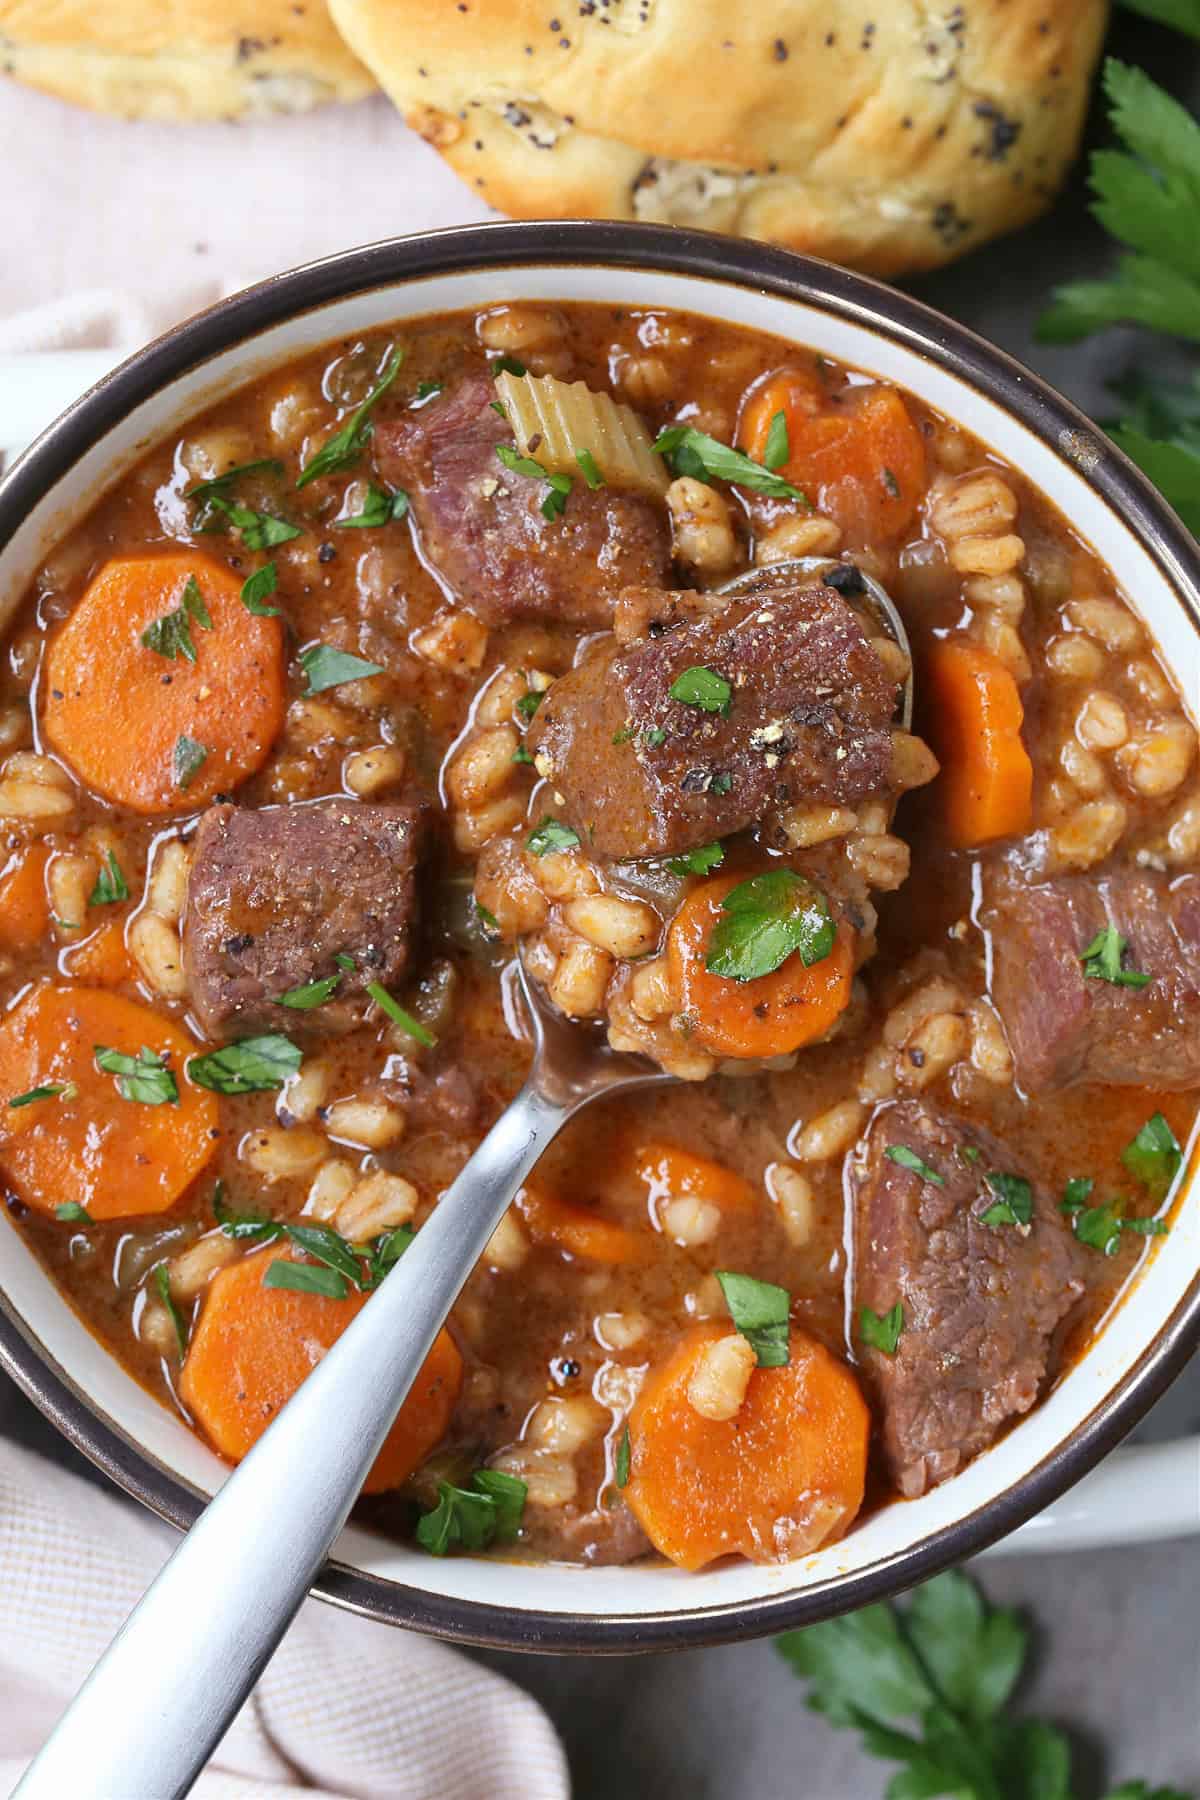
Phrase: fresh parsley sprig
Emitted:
{"points": [[348, 443], [694, 453], [487, 1512], [760, 1311], [764, 921]]}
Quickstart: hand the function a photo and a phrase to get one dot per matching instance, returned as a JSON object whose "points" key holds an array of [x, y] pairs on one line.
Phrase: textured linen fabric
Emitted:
{"points": [[347, 1707]]}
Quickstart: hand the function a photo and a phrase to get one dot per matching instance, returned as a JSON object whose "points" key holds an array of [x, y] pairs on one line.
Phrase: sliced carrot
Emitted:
{"points": [[671, 1173], [974, 722], [770, 1016], [115, 1157], [780, 1478], [101, 960], [24, 908], [254, 1345], [118, 712], [576, 1229], [858, 457]]}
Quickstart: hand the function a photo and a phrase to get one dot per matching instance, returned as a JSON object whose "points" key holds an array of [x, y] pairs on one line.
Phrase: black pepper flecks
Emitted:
{"points": [[1002, 135], [326, 552], [779, 50]]}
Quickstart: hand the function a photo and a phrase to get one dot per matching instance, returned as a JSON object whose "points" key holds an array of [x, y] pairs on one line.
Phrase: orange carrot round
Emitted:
{"points": [[115, 1157], [576, 1229], [163, 734], [769, 1016], [670, 1173], [783, 1476], [24, 908], [974, 722], [254, 1345], [859, 458]]}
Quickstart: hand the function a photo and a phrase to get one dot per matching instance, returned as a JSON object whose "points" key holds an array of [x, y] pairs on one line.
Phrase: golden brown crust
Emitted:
{"points": [[893, 137], [179, 60]]}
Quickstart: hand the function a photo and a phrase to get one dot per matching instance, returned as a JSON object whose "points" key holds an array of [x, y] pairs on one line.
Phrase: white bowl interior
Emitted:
{"points": [[1160, 1286]]}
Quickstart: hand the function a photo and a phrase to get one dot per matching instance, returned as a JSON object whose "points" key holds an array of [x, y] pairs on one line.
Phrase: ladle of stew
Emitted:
{"points": [[243, 1570]]}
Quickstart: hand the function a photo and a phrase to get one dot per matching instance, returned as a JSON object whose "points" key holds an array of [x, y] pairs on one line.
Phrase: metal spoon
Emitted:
{"points": [[164, 1693], [784, 573]]}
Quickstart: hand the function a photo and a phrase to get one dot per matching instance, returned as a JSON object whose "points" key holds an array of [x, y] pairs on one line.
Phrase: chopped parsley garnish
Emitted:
{"points": [[204, 490], [362, 1266], [720, 783], [694, 453], [704, 688], [344, 960], [1154, 1157], [623, 736], [559, 486], [970, 1153], [908, 1159], [257, 590], [550, 835], [379, 508], [144, 1077], [654, 736], [51, 1090], [508, 365], [397, 1014], [881, 1331], [591, 473], [1100, 1227], [623, 1459], [777, 448], [111, 887], [765, 920], [348, 442], [1102, 960], [187, 760], [489, 918], [759, 1309], [250, 1066], [522, 755], [700, 861], [259, 530], [306, 1278], [171, 636], [1014, 1200], [529, 702], [487, 1512], [1075, 1194], [310, 993], [162, 1282], [427, 389], [72, 1213], [326, 667]]}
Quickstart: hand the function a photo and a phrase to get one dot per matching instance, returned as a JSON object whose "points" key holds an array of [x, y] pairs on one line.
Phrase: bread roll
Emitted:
{"points": [[180, 59], [888, 134]]}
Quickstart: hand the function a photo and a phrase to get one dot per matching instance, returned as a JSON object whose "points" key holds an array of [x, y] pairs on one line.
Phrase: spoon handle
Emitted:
{"points": [[163, 1695]]}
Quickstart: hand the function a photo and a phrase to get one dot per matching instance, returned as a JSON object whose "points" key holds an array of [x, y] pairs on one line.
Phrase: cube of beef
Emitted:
{"points": [[481, 527], [790, 706], [274, 895], [981, 1302], [1066, 1023]]}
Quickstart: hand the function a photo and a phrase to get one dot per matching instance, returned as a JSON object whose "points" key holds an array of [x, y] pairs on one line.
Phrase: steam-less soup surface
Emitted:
{"points": [[415, 652]]}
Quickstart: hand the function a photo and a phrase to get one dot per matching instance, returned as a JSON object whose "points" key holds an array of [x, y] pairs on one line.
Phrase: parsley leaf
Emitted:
{"points": [[396, 1012], [111, 887], [700, 861], [162, 1282], [379, 508], [591, 473], [1154, 1157], [623, 1459], [249, 1066], [881, 1331], [259, 530], [1102, 960], [218, 484], [507, 365], [187, 760], [144, 1077], [1075, 1193], [559, 486], [310, 993], [764, 921], [908, 1159], [72, 1212], [487, 1512], [694, 453], [777, 448], [51, 1090], [306, 1278], [348, 442], [257, 590], [171, 636], [427, 389], [759, 1309], [529, 702], [550, 835], [1182, 15], [1014, 1202], [326, 667], [704, 688]]}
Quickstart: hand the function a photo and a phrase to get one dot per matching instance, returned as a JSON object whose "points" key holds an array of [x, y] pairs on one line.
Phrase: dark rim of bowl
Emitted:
{"points": [[729, 262]]}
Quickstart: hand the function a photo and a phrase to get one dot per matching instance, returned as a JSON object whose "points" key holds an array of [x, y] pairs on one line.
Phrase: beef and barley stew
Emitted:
{"points": [[418, 653]]}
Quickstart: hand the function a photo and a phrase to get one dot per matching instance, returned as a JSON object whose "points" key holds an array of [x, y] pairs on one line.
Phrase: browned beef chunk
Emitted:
{"points": [[1065, 1025], [481, 528], [275, 895], [645, 774], [981, 1302]]}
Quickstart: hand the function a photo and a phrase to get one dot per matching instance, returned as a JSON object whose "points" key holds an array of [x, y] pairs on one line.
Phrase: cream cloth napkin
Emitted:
{"points": [[347, 1707]]}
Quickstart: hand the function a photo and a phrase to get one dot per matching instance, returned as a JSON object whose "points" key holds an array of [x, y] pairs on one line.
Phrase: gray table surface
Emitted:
{"points": [[1118, 1646]]}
